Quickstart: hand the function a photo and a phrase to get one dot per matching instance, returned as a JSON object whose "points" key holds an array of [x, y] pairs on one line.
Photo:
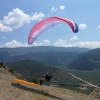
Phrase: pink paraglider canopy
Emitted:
{"points": [[46, 23]]}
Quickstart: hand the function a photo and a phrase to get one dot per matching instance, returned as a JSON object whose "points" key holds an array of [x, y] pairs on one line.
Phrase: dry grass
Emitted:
{"points": [[14, 91]]}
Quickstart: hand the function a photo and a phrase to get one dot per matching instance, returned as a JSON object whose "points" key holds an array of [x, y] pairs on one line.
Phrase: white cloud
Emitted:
{"points": [[13, 44], [99, 26], [16, 19], [37, 16], [5, 28], [43, 43], [3, 37], [74, 38], [54, 9], [81, 44], [60, 42], [62, 7], [37, 44], [46, 42], [87, 44], [82, 26]]}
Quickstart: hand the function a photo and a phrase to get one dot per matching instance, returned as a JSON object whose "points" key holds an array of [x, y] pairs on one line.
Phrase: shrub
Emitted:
{"points": [[35, 80], [1, 64], [11, 71]]}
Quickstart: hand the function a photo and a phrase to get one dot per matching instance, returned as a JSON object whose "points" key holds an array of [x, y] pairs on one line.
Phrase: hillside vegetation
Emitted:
{"points": [[89, 60], [30, 68], [46, 54]]}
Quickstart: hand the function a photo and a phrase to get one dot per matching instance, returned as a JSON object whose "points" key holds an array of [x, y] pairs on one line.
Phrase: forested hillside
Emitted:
{"points": [[89, 60], [50, 55], [30, 68]]}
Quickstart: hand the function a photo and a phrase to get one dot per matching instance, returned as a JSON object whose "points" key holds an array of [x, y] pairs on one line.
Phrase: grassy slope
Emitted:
{"points": [[31, 68], [13, 91]]}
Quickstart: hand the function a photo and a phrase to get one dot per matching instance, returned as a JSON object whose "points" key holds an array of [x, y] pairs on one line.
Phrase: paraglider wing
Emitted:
{"points": [[44, 24], [26, 82]]}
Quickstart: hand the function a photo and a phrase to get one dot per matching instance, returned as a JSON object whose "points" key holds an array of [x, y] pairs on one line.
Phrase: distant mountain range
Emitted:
{"points": [[72, 57], [46, 54], [89, 60]]}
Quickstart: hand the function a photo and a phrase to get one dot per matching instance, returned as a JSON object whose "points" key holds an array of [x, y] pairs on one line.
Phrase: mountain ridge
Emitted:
{"points": [[47, 54], [89, 60]]}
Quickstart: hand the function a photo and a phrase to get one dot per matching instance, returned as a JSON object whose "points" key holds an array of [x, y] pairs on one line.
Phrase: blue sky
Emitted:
{"points": [[18, 16]]}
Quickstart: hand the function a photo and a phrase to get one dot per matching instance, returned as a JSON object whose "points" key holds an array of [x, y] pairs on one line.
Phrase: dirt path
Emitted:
{"points": [[84, 80]]}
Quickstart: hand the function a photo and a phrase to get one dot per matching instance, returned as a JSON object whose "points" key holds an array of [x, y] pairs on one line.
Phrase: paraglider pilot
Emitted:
{"points": [[41, 82], [48, 76]]}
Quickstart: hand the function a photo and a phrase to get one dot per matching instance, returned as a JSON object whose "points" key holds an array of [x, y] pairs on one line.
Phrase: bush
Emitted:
{"points": [[11, 71], [1, 64], [35, 80]]}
